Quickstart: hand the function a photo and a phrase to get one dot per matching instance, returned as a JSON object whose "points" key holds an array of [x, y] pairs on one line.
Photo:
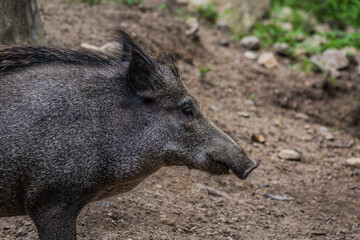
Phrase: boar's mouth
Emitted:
{"points": [[220, 167]]}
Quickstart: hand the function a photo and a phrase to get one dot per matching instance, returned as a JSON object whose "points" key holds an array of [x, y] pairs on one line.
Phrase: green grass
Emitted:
{"points": [[91, 2], [272, 32], [339, 13], [128, 2], [208, 12], [131, 2], [161, 7], [203, 71]]}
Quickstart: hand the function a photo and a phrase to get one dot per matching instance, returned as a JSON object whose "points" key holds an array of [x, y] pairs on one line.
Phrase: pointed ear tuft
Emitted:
{"points": [[141, 69]]}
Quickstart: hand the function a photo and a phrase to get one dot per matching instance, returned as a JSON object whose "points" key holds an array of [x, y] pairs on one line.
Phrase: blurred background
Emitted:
{"points": [[282, 77]]}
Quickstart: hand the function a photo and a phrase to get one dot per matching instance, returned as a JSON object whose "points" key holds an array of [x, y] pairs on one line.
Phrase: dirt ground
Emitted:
{"points": [[288, 108]]}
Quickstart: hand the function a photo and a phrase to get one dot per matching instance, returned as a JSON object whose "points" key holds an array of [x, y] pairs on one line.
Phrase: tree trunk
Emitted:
{"points": [[20, 23]]}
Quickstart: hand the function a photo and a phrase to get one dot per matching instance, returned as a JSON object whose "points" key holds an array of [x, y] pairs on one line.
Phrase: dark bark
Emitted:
{"points": [[20, 23]]}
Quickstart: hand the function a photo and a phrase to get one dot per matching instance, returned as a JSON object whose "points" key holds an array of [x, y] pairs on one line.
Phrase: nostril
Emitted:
{"points": [[249, 170]]}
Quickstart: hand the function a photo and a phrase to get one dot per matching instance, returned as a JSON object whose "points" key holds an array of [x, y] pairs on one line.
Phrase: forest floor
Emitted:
{"points": [[284, 106]]}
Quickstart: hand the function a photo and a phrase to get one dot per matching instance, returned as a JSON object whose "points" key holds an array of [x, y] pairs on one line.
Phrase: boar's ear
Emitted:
{"points": [[141, 70]]}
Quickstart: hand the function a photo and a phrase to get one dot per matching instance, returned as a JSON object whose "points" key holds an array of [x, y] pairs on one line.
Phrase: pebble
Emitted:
{"points": [[353, 162], [329, 136], [281, 48], [250, 42], [286, 26], [224, 42], [301, 116], [289, 154], [223, 26], [249, 102], [213, 107], [193, 23], [349, 50], [268, 60], [278, 197], [325, 132], [244, 114], [251, 55]]}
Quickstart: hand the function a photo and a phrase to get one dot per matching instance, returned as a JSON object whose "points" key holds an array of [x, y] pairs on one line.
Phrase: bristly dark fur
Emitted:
{"points": [[13, 58], [18, 57]]}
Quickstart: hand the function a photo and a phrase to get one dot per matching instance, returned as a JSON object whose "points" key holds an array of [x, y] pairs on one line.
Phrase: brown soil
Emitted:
{"points": [[324, 194]]}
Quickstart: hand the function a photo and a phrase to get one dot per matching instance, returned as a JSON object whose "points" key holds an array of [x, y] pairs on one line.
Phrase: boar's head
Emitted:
{"points": [[175, 130]]}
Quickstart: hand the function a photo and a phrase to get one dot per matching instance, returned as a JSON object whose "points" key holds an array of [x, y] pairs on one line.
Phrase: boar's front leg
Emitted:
{"points": [[55, 222]]}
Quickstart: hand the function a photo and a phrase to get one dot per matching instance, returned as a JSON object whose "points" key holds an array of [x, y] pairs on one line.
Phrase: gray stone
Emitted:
{"points": [[315, 41], [193, 24], [286, 26], [268, 60], [242, 15], [281, 48], [289, 154], [250, 42], [251, 55], [353, 162], [331, 61], [322, 28], [244, 114], [222, 26], [224, 42]]}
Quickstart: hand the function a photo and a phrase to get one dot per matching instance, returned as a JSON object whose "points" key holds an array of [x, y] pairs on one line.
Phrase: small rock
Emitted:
{"points": [[194, 3], [322, 28], [224, 42], [222, 26], [315, 41], [284, 13], [250, 55], [213, 107], [289, 154], [353, 162], [331, 60], [286, 26], [258, 138], [281, 48], [167, 221], [212, 191], [193, 23], [250, 42], [300, 37], [350, 29], [329, 136], [301, 116], [244, 114], [249, 102], [325, 132], [300, 53], [268, 60], [324, 129], [278, 197], [349, 51]]}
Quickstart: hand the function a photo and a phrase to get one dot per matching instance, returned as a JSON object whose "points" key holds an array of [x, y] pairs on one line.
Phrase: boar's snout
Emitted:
{"points": [[242, 174], [227, 156]]}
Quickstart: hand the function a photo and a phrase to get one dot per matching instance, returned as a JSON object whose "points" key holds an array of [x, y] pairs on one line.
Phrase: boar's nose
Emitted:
{"points": [[254, 165]]}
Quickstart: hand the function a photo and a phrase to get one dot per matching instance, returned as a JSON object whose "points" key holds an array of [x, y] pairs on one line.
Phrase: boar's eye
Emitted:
{"points": [[188, 112]]}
